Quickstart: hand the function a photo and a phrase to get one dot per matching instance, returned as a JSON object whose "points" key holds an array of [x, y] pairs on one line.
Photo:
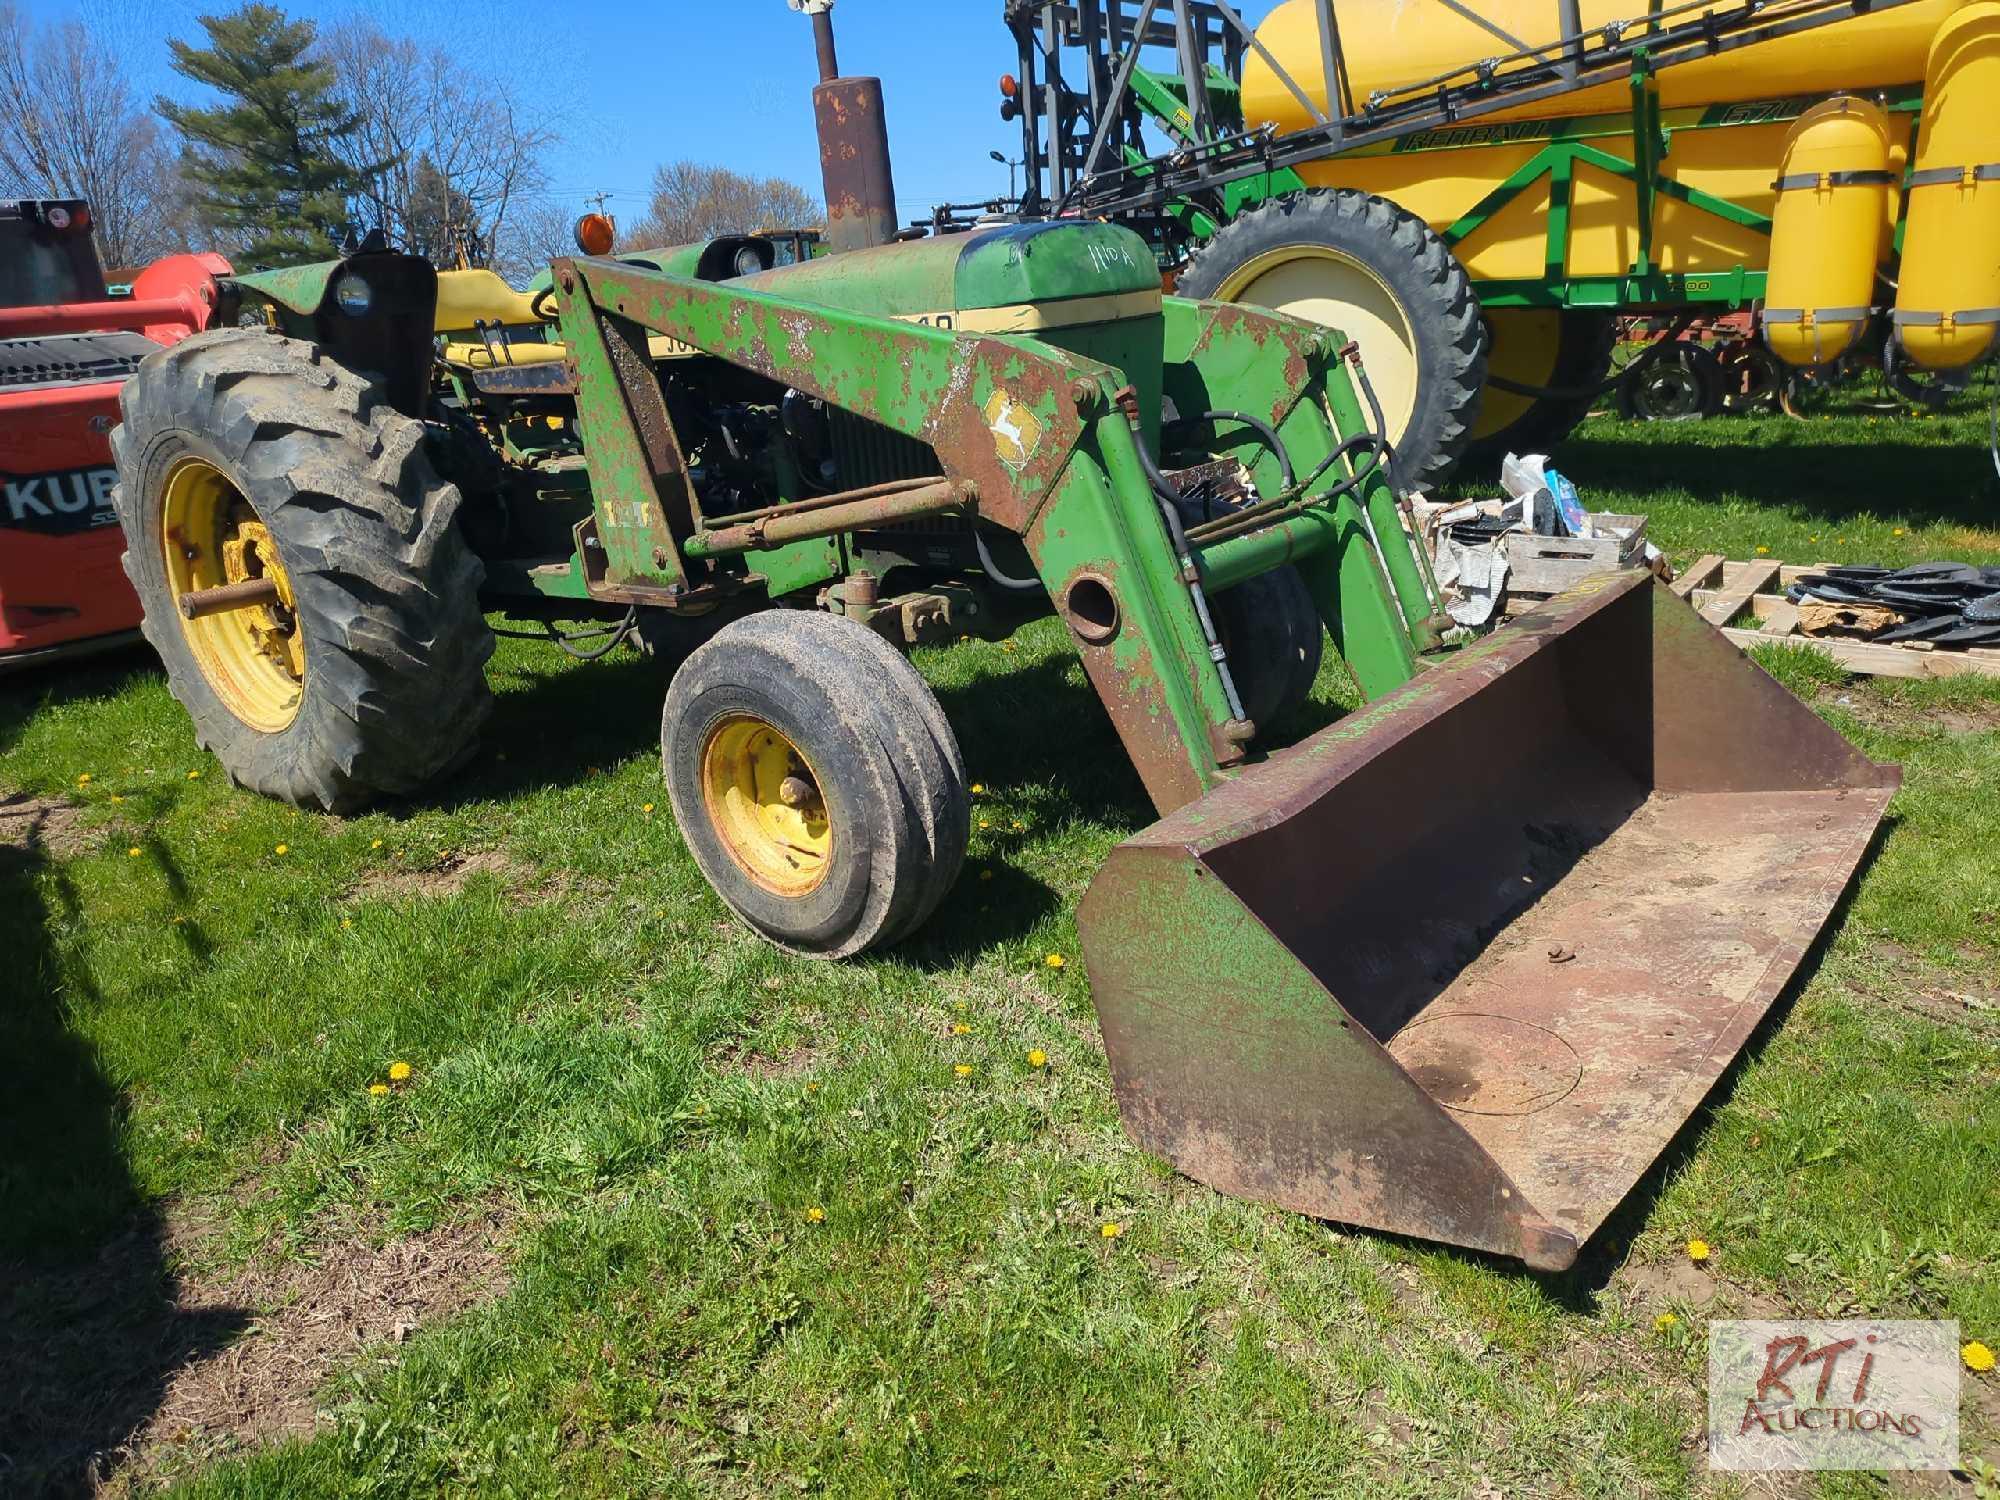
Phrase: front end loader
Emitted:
{"points": [[1455, 966]]}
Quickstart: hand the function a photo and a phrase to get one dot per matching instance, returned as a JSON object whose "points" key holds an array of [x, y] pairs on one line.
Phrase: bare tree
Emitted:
{"points": [[537, 231], [69, 128], [463, 151], [696, 202]]}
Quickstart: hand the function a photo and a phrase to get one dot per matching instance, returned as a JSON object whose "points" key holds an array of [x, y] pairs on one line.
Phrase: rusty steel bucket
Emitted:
{"points": [[1460, 965]]}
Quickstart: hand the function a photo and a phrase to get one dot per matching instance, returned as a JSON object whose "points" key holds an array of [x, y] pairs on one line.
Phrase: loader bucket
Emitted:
{"points": [[1460, 965]]}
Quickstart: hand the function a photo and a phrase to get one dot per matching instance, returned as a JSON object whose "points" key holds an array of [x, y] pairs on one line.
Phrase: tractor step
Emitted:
{"points": [[1460, 965]]}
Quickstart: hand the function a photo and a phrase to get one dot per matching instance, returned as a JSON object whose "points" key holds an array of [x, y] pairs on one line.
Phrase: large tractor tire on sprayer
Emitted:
{"points": [[1562, 357], [1382, 276]]}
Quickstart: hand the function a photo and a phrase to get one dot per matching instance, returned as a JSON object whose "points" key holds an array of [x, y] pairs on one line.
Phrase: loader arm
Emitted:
{"points": [[1037, 439]]}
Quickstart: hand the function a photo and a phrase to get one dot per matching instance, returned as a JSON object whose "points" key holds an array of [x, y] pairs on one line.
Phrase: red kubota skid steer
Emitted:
{"points": [[65, 349]]}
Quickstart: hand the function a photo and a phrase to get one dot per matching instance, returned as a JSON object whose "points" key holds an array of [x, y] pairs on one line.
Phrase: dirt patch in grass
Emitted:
{"points": [[1879, 711], [793, 1061], [447, 877], [1910, 984], [31, 826], [137, 1363]]}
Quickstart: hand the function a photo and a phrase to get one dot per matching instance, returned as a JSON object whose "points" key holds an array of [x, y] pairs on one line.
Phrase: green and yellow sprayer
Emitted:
{"points": [[1457, 966], [1476, 191]]}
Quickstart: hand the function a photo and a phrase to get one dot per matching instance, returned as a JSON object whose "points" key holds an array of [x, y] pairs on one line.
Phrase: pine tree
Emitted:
{"points": [[263, 164]]}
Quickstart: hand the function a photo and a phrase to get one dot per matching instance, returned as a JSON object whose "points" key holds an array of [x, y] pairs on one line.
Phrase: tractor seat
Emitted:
{"points": [[468, 297]]}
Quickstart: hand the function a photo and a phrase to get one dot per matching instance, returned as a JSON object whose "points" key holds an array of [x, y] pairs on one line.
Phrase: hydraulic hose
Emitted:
{"points": [[618, 632], [1263, 430], [992, 569], [1168, 500]]}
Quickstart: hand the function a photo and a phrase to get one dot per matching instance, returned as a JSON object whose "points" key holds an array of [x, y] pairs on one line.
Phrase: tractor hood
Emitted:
{"points": [[1018, 278], [1089, 288]]}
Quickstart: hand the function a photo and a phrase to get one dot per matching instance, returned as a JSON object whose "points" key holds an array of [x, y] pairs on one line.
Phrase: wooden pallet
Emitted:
{"points": [[1724, 591]]}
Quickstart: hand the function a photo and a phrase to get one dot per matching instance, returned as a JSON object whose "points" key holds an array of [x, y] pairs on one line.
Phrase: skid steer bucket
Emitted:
{"points": [[1460, 965]]}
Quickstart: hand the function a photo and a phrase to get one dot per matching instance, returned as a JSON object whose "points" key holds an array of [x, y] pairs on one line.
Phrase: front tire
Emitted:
{"points": [[815, 781], [1381, 275], [245, 456]]}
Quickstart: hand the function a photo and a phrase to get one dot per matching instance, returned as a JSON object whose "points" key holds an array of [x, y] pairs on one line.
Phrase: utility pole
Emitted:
{"points": [[1010, 164]]}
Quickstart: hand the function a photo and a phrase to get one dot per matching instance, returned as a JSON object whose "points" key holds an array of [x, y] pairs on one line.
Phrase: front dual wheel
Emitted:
{"points": [[816, 781]]}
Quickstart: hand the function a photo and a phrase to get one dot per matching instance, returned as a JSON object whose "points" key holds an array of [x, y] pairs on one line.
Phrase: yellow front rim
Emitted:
{"points": [[253, 659], [1526, 348], [1327, 286], [764, 801]]}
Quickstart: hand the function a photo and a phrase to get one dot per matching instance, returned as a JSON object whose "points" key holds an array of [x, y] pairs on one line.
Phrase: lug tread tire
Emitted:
{"points": [[1427, 279], [883, 750], [388, 592], [1583, 363]]}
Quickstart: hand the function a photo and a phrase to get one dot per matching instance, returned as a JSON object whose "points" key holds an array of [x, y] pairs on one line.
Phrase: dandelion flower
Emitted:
{"points": [[960, 1029], [283, 849], [978, 787], [1663, 1322], [116, 798], [133, 852], [1763, 551], [1037, 1058], [378, 1089], [815, 1215], [374, 843], [194, 776], [1978, 1358], [963, 1070], [1697, 1250], [1111, 1230], [1054, 960], [985, 822], [84, 779], [398, 1071], [1019, 825], [347, 921], [647, 808], [1898, 531]]}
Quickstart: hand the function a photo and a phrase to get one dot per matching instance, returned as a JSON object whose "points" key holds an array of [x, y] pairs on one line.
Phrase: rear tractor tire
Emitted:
{"points": [[251, 459], [815, 781], [1382, 276]]}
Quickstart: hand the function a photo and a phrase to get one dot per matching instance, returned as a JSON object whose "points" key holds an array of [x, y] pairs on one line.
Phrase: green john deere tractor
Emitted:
{"points": [[1457, 966]]}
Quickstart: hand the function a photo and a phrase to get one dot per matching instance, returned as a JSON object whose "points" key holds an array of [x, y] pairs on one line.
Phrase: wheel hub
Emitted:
{"points": [[253, 658], [764, 800]]}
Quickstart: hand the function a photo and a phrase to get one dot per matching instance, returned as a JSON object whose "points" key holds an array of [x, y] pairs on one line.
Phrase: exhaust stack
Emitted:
{"points": [[853, 145]]}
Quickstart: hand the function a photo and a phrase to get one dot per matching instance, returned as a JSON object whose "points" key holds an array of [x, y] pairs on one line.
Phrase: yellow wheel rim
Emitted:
{"points": [[1327, 286], [1526, 347], [253, 659], [764, 801]]}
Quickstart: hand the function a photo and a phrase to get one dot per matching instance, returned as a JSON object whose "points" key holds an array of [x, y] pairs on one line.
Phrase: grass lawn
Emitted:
{"points": [[659, 1210]]}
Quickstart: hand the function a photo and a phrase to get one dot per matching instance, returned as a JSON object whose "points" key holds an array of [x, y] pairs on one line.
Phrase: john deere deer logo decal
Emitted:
{"points": [[1017, 431]]}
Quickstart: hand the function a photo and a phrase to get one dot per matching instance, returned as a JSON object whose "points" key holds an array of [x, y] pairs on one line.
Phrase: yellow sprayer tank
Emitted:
{"points": [[1392, 43], [1817, 252], [1834, 181], [1948, 297]]}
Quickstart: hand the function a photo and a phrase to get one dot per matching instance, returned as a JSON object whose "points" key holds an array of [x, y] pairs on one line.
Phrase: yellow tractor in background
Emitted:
{"points": [[1475, 191]]}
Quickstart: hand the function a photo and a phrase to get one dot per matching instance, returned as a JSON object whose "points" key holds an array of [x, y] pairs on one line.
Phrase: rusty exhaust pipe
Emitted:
{"points": [[853, 145]]}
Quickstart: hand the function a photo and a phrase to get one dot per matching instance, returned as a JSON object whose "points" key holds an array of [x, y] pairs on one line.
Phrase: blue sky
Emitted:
{"points": [[631, 83]]}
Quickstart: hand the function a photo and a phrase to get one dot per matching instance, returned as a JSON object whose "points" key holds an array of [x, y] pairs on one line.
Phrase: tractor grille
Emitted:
{"points": [[70, 359], [866, 453]]}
